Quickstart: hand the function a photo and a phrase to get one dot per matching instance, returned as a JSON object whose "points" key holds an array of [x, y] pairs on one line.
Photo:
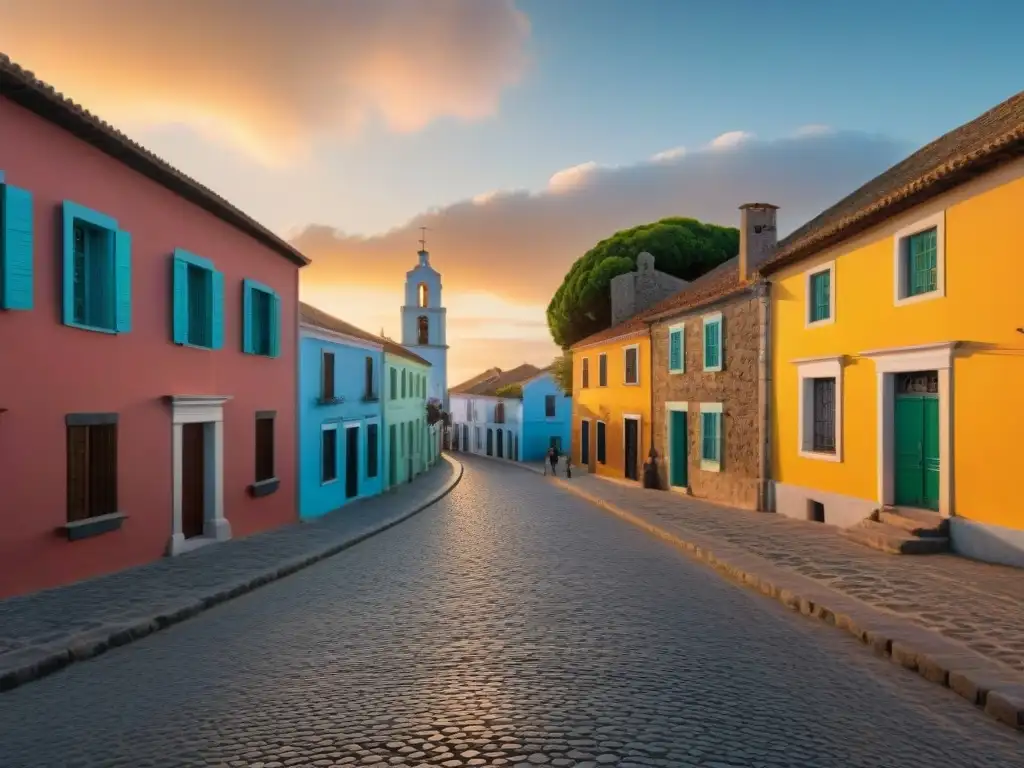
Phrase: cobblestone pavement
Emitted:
{"points": [[51, 616], [976, 604], [510, 624]]}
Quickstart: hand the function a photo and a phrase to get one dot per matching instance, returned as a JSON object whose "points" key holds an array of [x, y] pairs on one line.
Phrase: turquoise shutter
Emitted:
{"points": [[217, 310], [16, 248], [674, 350], [247, 317], [122, 281], [275, 325], [68, 258], [179, 300]]}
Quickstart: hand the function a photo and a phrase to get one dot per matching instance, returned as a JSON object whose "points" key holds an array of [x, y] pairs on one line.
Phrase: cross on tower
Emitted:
{"points": [[423, 238]]}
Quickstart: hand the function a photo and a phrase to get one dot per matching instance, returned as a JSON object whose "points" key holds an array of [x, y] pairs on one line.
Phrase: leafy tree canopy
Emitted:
{"points": [[561, 371], [685, 248], [509, 390]]}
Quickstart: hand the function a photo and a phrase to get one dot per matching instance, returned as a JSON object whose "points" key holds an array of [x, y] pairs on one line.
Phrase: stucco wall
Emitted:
{"points": [[538, 428], [400, 412], [49, 369], [317, 498], [735, 386]]}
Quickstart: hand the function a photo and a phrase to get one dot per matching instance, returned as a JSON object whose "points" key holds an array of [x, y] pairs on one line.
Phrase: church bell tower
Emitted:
{"points": [[423, 323]]}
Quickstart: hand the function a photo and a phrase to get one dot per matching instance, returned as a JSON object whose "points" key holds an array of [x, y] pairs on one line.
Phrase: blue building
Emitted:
{"points": [[340, 425], [547, 417]]}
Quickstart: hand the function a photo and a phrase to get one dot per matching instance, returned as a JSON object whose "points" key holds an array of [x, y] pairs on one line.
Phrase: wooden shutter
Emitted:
{"points": [[78, 480], [327, 376], [264, 448]]}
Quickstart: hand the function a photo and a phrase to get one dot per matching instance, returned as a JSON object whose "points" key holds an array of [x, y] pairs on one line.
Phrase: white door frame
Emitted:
{"points": [[889, 363], [209, 411], [670, 406], [639, 444]]}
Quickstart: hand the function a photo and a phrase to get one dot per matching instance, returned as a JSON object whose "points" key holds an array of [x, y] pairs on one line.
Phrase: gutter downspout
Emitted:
{"points": [[765, 500]]}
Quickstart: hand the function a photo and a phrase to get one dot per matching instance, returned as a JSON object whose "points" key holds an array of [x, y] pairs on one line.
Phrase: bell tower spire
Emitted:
{"points": [[424, 320]]}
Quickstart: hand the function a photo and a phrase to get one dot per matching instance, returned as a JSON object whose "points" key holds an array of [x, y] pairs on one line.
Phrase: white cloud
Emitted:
{"points": [[814, 129], [668, 155], [731, 139], [570, 178]]}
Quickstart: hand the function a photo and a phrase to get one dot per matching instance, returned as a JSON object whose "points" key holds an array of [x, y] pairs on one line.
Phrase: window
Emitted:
{"points": [[91, 465], [919, 255], [549, 406], [601, 454], [823, 439], [478, 438], [403, 384], [676, 360], [711, 436], [499, 413], [328, 453], [372, 450], [555, 441], [602, 370], [261, 321], [197, 298], [821, 409], [16, 233], [820, 296], [422, 330], [586, 372], [327, 376], [713, 352], [422, 295], [264, 446], [394, 382], [97, 271], [631, 365], [369, 391]]}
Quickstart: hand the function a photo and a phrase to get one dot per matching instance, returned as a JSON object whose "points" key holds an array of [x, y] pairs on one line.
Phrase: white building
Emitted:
{"points": [[484, 422], [424, 321]]}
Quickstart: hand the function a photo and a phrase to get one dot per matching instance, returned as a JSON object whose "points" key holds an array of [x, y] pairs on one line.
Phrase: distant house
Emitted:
{"points": [[340, 413], [154, 329], [486, 422], [409, 447], [547, 417]]}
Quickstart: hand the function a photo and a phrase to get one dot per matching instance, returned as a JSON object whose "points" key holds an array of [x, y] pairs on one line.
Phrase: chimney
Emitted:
{"points": [[757, 236]]}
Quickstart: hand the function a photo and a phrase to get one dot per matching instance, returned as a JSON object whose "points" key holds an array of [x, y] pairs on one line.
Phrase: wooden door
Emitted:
{"points": [[351, 462], [678, 449], [501, 444], [490, 442], [193, 479], [632, 440], [585, 443], [916, 454]]}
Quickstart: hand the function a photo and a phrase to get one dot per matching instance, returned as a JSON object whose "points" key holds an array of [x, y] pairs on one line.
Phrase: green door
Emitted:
{"points": [[917, 451], [677, 448]]}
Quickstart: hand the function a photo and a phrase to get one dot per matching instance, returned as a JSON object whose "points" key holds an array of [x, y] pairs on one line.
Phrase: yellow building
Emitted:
{"points": [[611, 426], [897, 344]]}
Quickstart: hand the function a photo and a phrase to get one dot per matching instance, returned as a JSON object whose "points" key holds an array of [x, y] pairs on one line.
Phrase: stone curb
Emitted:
{"points": [[34, 663], [986, 684]]}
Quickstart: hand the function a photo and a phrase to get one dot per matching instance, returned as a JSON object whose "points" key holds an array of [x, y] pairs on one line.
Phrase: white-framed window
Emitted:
{"points": [[820, 293], [711, 423], [602, 369], [919, 260], [586, 373], [328, 453], [713, 342], [631, 364], [677, 348], [821, 408]]}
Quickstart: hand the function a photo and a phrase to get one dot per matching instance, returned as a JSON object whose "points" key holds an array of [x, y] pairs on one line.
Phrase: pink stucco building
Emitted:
{"points": [[148, 335]]}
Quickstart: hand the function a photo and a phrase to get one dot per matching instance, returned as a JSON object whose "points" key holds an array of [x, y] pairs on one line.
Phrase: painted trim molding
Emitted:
{"points": [[681, 328], [209, 411], [639, 440], [714, 317], [830, 267], [888, 363], [900, 252], [670, 407], [807, 371], [706, 464], [625, 368]]}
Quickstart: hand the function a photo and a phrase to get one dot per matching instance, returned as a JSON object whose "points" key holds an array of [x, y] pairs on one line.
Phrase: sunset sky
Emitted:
{"points": [[520, 132]]}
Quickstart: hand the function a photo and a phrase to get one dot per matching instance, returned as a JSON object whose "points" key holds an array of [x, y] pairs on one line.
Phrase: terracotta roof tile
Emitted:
{"points": [[22, 87], [317, 317], [480, 377], [974, 148], [490, 387]]}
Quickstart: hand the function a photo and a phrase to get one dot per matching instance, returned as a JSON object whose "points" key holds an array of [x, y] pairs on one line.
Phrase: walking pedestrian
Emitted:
{"points": [[548, 460], [554, 460], [568, 465]]}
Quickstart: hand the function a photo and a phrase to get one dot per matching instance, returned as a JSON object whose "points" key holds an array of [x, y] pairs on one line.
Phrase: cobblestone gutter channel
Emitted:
{"points": [[44, 632], [989, 685]]}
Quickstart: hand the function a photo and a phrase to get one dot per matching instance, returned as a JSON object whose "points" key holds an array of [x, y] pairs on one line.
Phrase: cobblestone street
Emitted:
{"points": [[511, 623]]}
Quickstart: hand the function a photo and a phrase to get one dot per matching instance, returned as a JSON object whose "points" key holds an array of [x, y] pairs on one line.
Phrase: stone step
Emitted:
{"points": [[925, 516], [912, 526], [896, 541]]}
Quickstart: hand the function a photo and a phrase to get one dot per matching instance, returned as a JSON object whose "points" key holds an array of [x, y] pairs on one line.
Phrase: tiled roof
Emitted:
{"points": [[992, 139], [480, 377], [720, 282], [628, 327], [22, 87], [317, 317], [490, 387]]}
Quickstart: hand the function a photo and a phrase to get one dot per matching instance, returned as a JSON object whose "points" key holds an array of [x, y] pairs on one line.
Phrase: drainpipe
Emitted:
{"points": [[764, 391]]}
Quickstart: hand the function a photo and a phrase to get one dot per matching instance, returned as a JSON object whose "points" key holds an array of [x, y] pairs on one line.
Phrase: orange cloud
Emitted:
{"points": [[272, 76], [519, 245]]}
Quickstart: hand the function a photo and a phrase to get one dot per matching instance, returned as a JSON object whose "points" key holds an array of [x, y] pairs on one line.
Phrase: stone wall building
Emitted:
{"points": [[708, 347], [635, 292]]}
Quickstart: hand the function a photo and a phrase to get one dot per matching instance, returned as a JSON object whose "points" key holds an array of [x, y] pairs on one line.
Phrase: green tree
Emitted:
{"points": [[509, 390], [685, 248], [561, 371]]}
